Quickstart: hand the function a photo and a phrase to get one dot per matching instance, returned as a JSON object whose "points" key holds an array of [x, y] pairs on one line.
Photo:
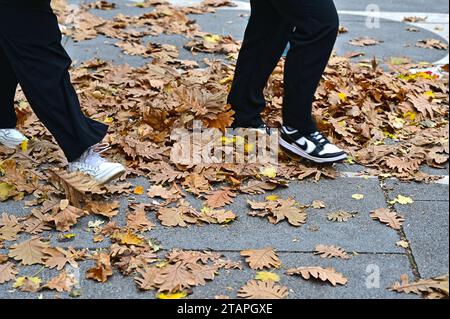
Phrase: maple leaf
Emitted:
{"points": [[324, 274], [263, 290], [62, 282], [220, 198], [217, 216], [176, 277], [388, 217], [261, 258], [7, 272], [439, 284], [29, 252], [331, 251], [102, 269]]}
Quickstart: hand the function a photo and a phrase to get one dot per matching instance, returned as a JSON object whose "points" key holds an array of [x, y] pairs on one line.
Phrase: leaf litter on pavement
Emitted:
{"points": [[390, 121]]}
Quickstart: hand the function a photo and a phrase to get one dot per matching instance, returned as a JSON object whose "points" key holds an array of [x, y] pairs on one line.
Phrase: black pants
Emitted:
{"points": [[311, 28], [31, 55]]}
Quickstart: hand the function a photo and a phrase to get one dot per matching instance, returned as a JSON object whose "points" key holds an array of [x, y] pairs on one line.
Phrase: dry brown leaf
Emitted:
{"points": [[220, 198], [263, 290], [422, 286], [324, 274], [331, 251], [261, 258], [62, 282], [29, 252], [388, 217], [7, 272], [102, 269]]}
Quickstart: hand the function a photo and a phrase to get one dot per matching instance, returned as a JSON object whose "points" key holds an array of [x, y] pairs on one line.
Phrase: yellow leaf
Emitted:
{"points": [[342, 97], [21, 280], [227, 140], [267, 276], [402, 200], [226, 80], [24, 146], [410, 115], [358, 196], [269, 171], [108, 120], [177, 295], [214, 38], [272, 198], [139, 190], [5, 189], [69, 236], [249, 147], [429, 94], [403, 244]]}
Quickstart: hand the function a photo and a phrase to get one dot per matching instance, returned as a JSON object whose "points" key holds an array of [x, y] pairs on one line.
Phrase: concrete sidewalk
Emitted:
{"points": [[374, 245]]}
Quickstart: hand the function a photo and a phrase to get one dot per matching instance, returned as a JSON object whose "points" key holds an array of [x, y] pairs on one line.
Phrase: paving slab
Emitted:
{"points": [[358, 270], [417, 191], [426, 228]]}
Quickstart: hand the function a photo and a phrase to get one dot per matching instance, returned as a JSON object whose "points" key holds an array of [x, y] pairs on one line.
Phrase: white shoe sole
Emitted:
{"points": [[110, 175], [303, 154], [11, 144]]}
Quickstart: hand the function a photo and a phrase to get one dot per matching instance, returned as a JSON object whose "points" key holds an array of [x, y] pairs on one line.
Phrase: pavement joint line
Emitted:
{"points": [[306, 252], [444, 180], [401, 233]]}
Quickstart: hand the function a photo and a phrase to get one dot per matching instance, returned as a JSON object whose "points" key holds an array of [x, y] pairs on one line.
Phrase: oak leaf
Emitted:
{"points": [[263, 290], [261, 258], [331, 251], [388, 217], [29, 252], [7, 272], [324, 274]]}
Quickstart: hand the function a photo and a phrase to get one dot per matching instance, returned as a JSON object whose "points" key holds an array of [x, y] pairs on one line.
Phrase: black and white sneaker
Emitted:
{"points": [[314, 146]]}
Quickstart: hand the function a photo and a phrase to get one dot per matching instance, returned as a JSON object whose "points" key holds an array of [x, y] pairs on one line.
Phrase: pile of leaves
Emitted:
{"points": [[392, 122]]}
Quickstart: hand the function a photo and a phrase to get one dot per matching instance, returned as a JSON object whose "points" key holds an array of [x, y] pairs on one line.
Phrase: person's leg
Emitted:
{"points": [[317, 24], [31, 42], [8, 86], [265, 40]]}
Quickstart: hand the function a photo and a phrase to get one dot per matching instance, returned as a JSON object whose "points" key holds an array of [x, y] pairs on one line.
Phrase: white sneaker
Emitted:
{"points": [[11, 138], [93, 164]]}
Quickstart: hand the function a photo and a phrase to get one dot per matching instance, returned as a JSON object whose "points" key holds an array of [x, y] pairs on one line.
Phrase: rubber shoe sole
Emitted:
{"points": [[302, 153]]}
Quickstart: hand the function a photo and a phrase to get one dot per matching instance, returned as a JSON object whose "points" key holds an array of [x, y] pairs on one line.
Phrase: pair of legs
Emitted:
{"points": [[31, 55], [310, 27]]}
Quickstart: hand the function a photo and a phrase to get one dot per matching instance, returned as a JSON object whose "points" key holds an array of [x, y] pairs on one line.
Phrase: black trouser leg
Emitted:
{"points": [[31, 42], [317, 25], [270, 28], [8, 86], [265, 40]]}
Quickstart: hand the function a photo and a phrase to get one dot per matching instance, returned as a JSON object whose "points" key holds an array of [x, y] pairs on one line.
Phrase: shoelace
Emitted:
{"points": [[92, 160], [321, 140], [266, 128]]}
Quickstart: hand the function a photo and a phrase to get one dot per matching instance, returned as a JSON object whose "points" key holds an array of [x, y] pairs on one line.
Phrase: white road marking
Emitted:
{"points": [[444, 180]]}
